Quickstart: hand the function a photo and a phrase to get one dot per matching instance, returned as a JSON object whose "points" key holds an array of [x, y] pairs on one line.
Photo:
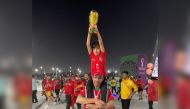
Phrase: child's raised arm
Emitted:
{"points": [[88, 41], [100, 41]]}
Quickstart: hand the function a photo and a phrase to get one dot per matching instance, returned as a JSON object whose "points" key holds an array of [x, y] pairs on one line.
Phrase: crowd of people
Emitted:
{"points": [[75, 88]]}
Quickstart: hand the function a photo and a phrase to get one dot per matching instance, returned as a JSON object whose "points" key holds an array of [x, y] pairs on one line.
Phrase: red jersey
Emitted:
{"points": [[139, 83], [69, 87], [98, 63], [49, 86], [79, 85], [182, 95], [43, 83], [153, 91], [97, 93], [58, 84], [23, 85]]}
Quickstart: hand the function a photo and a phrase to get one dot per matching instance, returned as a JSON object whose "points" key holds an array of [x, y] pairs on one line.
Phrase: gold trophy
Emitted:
{"points": [[93, 20]]}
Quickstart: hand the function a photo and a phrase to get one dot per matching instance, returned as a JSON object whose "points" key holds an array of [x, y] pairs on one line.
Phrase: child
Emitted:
{"points": [[98, 60]]}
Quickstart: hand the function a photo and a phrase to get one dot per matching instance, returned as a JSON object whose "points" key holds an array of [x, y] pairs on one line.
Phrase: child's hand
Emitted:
{"points": [[96, 28]]}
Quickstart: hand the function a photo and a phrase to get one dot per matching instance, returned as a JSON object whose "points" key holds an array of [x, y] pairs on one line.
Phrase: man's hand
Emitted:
{"points": [[110, 105], [99, 103], [91, 106], [131, 95]]}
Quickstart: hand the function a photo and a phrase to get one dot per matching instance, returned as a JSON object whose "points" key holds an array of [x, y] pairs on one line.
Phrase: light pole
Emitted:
{"points": [[41, 69], [56, 70], [53, 69]]}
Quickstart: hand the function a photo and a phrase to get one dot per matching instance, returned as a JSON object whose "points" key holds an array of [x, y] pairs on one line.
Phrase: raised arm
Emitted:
{"points": [[88, 41], [99, 39]]}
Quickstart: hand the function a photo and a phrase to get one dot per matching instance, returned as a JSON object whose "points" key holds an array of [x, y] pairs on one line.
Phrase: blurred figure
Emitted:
{"points": [[78, 86], [127, 85], [34, 89], [69, 91], [113, 85], [44, 82], [49, 90], [140, 87], [62, 81], [57, 88], [118, 86], [23, 89], [86, 78]]}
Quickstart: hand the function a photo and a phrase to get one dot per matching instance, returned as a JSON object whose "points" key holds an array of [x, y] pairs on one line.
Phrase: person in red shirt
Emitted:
{"points": [[49, 89], [78, 86], [43, 87], [69, 91], [96, 52], [96, 102], [97, 56], [139, 83], [57, 88], [22, 83]]}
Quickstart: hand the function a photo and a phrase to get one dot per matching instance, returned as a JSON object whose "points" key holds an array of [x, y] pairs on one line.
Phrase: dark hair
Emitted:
{"points": [[95, 44], [139, 77], [126, 72]]}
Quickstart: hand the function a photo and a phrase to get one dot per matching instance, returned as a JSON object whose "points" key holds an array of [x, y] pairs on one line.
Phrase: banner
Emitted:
{"points": [[141, 67]]}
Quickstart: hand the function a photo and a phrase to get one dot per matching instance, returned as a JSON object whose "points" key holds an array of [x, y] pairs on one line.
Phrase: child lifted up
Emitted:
{"points": [[96, 52]]}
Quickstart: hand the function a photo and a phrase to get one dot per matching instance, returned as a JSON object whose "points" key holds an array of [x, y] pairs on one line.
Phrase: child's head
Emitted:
{"points": [[96, 48]]}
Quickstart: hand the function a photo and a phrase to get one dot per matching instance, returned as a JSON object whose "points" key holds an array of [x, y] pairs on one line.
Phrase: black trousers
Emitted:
{"points": [[150, 104], [125, 103], [68, 101], [114, 89], [34, 96], [57, 92]]}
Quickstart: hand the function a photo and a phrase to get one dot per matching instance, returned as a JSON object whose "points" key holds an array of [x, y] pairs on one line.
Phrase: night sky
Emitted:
{"points": [[60, 30]]}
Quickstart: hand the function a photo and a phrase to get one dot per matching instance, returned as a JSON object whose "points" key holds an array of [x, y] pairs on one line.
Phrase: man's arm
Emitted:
{"points": [[134, 86], [99, 39], [83, 100], [88, 41]]}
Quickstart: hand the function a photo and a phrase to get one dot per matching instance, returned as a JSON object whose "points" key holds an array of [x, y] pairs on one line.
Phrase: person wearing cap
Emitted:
{"points": [[96, 101]]}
